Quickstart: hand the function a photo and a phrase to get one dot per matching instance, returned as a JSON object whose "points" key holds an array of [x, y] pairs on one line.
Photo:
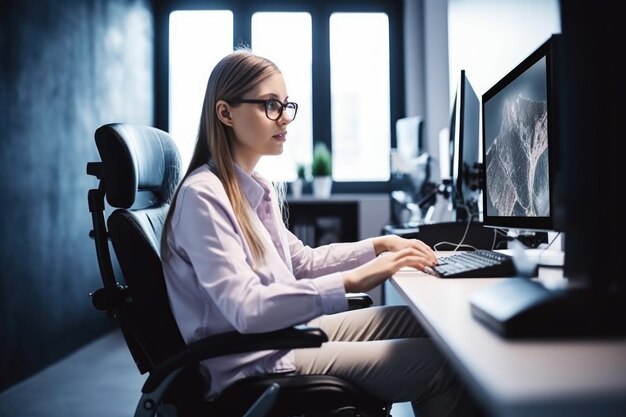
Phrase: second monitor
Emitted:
{"points": [[466, 175]]}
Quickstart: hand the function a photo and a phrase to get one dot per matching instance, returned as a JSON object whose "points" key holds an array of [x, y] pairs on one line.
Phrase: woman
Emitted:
{"points": [[231, 264]]}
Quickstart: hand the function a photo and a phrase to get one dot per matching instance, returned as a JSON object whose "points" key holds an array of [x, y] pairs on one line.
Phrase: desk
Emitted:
{"points": [[517, 378]]}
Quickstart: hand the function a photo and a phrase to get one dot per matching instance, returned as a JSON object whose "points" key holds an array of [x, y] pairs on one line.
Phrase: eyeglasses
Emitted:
{"points": [[273, 108]]}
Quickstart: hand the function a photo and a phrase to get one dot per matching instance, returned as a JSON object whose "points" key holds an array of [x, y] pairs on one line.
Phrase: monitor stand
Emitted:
{"points": [[524, 308]]}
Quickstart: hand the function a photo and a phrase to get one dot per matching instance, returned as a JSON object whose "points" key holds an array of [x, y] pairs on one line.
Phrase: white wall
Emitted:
{"points": [[484, 37], [488, 38], [436, 63], [426, 67]]}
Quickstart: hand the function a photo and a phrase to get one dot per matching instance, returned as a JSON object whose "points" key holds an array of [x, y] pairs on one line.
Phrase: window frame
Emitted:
{"points": [[320, 11]]}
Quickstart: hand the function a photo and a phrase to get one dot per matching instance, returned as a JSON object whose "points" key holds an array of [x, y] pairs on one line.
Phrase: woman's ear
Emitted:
{"points": [[222, 109]]}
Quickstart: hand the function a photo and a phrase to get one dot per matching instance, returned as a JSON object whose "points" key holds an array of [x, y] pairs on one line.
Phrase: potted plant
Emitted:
{"points": [[321, 170], [298, 183]]}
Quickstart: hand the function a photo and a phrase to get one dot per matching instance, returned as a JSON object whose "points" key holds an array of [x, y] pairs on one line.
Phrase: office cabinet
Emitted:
{"points": [[319, 222]]}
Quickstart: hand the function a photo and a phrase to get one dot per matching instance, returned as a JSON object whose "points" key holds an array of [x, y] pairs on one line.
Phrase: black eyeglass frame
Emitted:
{"points": [[265, 102]]}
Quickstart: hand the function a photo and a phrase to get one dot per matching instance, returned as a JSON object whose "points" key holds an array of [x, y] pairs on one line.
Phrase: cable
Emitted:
{"points": [[469, 221], [470, 216], [453, 244], [500, 232], [546, 248], [460, 243], [552, 241]]}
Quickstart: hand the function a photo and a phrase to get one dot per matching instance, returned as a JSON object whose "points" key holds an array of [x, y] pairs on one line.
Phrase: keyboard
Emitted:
{"points": [[480, 263]]}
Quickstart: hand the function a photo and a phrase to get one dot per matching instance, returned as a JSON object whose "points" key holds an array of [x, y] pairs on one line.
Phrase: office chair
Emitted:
{"points": [[138, 174]]}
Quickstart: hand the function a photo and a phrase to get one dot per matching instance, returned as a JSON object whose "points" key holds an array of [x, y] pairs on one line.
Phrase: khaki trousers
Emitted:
{"points": [[386, 352]]}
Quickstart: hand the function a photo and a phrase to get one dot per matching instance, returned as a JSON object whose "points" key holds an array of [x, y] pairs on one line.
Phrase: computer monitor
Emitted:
{"points": [[591, 113], [466, 177], [520, 155], [410, 172], [409, 137], [447, 152]]}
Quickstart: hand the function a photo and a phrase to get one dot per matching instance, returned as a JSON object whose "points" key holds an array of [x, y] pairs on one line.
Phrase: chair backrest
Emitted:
{"points": [[139, 173]]}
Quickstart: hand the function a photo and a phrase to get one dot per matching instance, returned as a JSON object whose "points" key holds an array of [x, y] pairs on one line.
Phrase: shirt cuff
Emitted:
{"points": [[332, 293], [364, 250]]}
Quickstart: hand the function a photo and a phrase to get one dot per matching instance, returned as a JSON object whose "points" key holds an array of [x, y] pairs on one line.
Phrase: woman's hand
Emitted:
{"points": [[371, 274], [394, 243]]}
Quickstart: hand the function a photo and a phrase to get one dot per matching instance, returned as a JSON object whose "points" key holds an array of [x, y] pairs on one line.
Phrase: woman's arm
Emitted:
{"points": [[395, 252], [310, 262], [363, 270]]}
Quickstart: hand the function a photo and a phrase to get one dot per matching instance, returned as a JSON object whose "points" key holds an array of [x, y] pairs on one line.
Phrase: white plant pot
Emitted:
{"points": [[296, 188], [322, 186]]}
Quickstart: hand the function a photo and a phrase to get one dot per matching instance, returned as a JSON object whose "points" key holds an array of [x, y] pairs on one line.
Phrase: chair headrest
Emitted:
{"points": [[137, 158]]}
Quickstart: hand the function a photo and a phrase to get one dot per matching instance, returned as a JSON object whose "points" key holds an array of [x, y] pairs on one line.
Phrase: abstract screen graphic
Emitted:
{"points": [[516, 143]]}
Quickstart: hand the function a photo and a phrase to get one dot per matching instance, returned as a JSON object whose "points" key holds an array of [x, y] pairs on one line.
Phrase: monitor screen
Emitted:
{"points": [[519, 145], [466, 177]]}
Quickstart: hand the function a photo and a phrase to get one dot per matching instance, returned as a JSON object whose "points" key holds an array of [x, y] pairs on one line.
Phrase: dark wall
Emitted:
{"points": [[66, 67]]}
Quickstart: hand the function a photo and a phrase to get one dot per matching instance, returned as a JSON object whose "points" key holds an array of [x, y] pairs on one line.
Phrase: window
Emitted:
{"points": [[285, 38], [359, 90], [338, 66], [191, 59]]}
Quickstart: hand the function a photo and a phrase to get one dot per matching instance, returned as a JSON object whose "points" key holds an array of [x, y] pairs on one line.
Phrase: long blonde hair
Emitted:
{"points": [[235, 75]]}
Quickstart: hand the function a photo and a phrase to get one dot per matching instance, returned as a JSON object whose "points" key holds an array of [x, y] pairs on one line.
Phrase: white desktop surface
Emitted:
{"points": [[517, 378]]}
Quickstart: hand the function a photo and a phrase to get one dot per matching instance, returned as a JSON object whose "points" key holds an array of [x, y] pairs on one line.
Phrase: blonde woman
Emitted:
{"points": [[231, 264]]}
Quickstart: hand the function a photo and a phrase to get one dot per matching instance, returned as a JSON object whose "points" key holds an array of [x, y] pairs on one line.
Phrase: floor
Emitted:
{"points": [[99, 380]]}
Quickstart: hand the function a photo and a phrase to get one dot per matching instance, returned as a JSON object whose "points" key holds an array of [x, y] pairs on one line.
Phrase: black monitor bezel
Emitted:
{"points": [[452, 140], [461, 177], [543, 223]]}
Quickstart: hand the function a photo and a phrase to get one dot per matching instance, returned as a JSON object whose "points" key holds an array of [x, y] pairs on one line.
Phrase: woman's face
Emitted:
{"points": [[255, 134]]}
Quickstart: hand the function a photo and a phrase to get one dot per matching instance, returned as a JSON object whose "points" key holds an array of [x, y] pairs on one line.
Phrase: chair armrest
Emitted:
{"points": [[358, 300], [235, 342]]}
